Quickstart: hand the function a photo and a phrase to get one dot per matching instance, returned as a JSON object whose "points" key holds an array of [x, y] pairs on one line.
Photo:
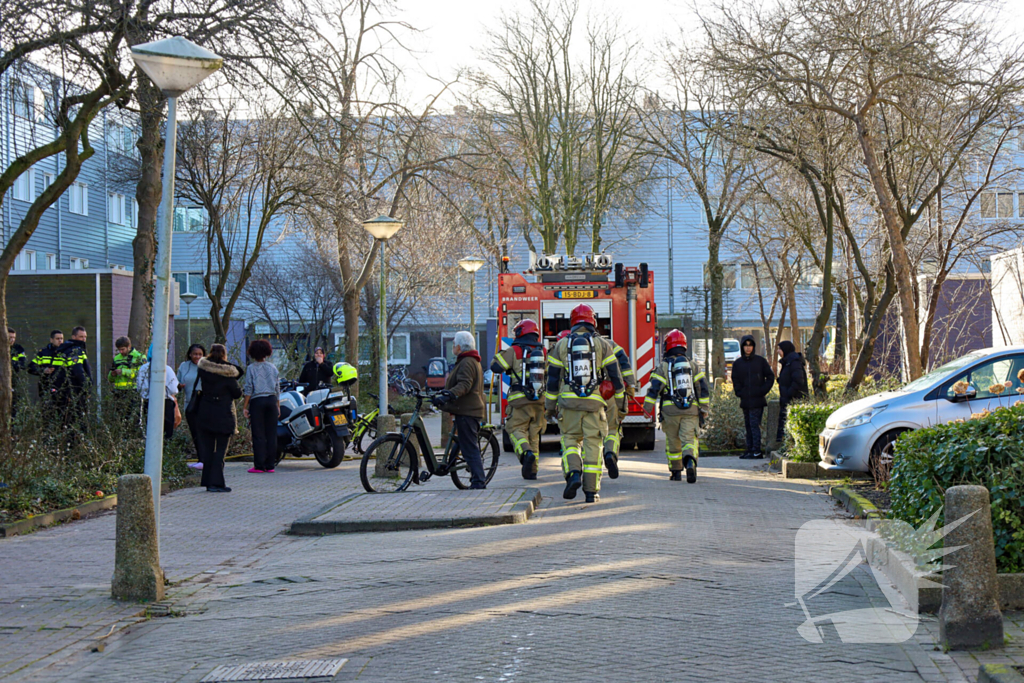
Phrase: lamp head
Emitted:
{"points": [[175, 64], [471, 264], [383, 227], [188, 297]]}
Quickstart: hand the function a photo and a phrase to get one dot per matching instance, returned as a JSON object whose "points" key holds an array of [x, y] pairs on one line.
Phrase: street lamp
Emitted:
{"points": [[471, 264], [383, 228], [174, 65], [188, 298]]}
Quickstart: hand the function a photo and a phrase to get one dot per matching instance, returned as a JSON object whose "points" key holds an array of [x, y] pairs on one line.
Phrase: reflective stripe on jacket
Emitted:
{"points": [[129, 366]]}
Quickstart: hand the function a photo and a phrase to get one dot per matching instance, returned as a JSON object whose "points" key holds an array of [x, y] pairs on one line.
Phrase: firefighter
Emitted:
{"points": [[525, 362], [44, 367], [682, 396], [615, 415], [73, 378], [575, 368]]}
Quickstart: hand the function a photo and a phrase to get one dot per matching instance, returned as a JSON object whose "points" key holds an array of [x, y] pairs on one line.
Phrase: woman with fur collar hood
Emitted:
{"points": [[215, 414]]}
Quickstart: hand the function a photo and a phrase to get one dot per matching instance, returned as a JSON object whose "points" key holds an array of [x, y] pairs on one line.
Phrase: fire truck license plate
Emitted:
{"points": [[576, 294], [340, 419]]}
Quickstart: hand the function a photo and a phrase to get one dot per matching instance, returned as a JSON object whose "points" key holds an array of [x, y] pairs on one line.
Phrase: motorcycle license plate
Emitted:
{"points": [[340, 419]]}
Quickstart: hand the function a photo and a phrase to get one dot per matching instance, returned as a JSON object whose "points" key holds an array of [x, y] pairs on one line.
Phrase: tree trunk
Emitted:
{"points": [[6, 389], [898, 253], [717, 278], [794, 320], [147, 194], [869, 332]]}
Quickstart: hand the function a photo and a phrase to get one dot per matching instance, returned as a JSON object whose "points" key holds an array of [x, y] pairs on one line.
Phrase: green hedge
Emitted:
{"points": [[804, 423], [987, 451]]}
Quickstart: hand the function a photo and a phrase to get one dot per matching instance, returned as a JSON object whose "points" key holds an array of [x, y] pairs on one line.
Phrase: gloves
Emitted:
{"points": [[551, 413], [442, 397], [630, 391]]}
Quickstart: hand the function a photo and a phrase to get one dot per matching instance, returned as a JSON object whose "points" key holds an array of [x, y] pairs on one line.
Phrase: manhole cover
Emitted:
{"points": [[269, 671]]}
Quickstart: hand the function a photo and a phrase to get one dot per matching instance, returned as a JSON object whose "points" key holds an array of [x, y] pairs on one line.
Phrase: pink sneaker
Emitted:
{"points": [[196, 465], [269, 471], [253, 470]]}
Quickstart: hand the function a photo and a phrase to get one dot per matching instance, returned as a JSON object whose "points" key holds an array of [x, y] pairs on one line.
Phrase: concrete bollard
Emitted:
{"points": [[969, 617], [137, 573], [385, 425]]}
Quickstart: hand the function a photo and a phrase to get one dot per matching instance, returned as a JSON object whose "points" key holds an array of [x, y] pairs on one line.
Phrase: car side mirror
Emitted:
{"points": [[969, 393]]}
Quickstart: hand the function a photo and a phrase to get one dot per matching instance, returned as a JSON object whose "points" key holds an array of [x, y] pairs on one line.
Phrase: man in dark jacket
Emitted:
{"points": [[792, 381], [752, 379], [44, 367], [73, 378], [317, 372], [463, 397]]}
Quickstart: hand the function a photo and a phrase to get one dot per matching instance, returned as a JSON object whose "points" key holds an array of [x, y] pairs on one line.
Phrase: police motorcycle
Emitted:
{"points": [[317, 423]]}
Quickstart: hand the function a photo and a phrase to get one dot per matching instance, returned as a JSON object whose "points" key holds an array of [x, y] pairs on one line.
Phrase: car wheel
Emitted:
{"points": [[880, 460]]}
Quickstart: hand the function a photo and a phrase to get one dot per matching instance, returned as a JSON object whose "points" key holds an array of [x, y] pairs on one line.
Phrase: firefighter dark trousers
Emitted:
{"points": [[524, 425], [583, 436], [680, 439]]}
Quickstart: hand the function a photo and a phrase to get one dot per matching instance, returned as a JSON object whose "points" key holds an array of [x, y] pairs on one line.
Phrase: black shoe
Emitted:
{"points": [[747, 456], [477, 487], [691, 469], [591, 497], [676, 476], [757, 456], [218, 489], [612, 463], [572, 484], [529, 461]]}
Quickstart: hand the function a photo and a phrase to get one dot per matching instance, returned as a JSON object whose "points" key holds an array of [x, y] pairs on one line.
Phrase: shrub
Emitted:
{"points": [[804, 421], [987, 451], [723, 430]]}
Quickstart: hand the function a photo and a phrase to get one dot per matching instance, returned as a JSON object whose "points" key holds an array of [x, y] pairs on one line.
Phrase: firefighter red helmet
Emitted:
{"points": [[674, 339], [582, 314], [562, 335], [525, 326]]}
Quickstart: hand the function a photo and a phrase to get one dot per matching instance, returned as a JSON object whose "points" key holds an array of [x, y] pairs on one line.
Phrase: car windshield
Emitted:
{"points": [[943, 371], [731, 346]]}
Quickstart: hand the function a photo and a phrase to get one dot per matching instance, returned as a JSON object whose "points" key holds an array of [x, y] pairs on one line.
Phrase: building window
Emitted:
{"points": [[189, 282], [48, 179], [78, 200], [997, 205], [24, 100], [79, 263], [135, 213], [26, 260], [121, 139], [25, 185], [189, 219], [399, 349], [115, 208], [51, 262]]}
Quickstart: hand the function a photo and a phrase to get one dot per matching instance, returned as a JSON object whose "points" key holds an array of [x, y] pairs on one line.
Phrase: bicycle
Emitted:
{"points": [[366, 425], [400, 466], [400, 383]]}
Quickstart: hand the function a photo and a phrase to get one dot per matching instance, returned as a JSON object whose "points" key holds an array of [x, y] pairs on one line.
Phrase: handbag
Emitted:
{"points": [[177, 415], [193, 403]]}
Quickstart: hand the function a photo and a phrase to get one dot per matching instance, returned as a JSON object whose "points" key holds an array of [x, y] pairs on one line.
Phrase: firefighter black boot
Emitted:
{"points": [[691, 469], [572, 485], [528, 463], [676, 475], [612, 463], [592, 497]]}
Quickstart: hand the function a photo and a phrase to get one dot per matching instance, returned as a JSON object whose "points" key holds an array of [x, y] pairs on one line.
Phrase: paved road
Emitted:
{"points": [[660, 581]]}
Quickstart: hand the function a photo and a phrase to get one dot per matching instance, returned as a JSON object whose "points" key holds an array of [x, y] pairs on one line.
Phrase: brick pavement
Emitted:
{"points": [[661, 581]]}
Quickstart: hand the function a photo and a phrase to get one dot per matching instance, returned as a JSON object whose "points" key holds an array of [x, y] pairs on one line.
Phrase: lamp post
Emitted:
{"points": [[471, 264], [188, 298], [383, 228], [174, 65]]}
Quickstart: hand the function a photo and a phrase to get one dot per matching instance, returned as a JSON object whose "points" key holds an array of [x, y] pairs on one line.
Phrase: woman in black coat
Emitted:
{"points": [[752, 379], [792, 381], [317, 371], [215, 414]]}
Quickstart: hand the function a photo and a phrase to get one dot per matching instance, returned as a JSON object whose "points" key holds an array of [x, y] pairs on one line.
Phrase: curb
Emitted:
{"points": [[856, 504], [998, 673], [29, 524], [309, 526]]}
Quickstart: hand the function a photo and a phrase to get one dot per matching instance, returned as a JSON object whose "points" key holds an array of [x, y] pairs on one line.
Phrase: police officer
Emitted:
{"points": [[575, 369], [525, 362], [615, 415], [682, 395], [73, 377], [127, 362], [44, 367], [18, 365]]}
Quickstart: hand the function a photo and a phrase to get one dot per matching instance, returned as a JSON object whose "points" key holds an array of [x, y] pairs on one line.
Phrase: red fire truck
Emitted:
{"points": [[623, 299]]}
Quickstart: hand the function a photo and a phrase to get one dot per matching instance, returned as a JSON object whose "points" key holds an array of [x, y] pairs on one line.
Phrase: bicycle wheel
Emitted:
{"points": [[370, 432], [396, 468], [488, 453]]}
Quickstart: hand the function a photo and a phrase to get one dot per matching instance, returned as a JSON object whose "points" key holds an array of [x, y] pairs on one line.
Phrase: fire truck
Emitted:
{"points": [[623, 300]]}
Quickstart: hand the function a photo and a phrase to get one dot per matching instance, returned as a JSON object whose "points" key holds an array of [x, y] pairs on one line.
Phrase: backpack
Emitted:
{"points": [[534, 371], [581, 364]]}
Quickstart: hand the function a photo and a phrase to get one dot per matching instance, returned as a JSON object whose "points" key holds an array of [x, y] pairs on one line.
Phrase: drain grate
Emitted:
{"points": [[271, 671]]}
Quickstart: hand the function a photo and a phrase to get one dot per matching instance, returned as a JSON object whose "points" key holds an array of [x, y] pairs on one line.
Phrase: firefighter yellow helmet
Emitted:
{"points": [[345, 373]]}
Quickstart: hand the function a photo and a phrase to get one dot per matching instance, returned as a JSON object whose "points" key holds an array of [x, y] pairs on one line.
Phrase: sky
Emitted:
{"points": [[452, 31]]}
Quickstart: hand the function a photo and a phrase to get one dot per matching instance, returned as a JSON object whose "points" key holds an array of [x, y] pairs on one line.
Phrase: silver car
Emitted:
{"points": [[863, 433]]}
